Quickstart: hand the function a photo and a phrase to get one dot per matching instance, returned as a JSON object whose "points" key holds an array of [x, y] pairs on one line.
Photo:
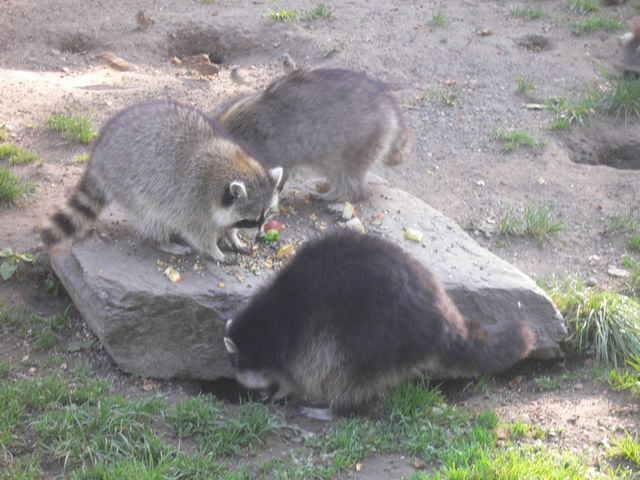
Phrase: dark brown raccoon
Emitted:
{"points": [[352, 315]]}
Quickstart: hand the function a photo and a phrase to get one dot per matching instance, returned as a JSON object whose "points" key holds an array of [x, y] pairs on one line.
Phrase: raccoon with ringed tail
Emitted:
{"points": [[334, 121], [353, 315], [174, 171]]}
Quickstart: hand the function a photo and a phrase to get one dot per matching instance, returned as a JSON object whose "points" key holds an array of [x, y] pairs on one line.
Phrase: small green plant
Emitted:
{"points": [[321, 11], [628, 378], [582, 7], [627, 448], [83, 158], [525, 83], [15, 154], [439, 19], [73, 127], [622, 99], [333, 49], [633, 281], [634, 243], [513, 140], [528, 13], [534, 220], [448, 96], [12, 187], [207, 2], [601, 323], [596, 22], [569, 112], [10, 260], [4, 134], [282, 14], [5, 369], [547, 383], [626, 222]]}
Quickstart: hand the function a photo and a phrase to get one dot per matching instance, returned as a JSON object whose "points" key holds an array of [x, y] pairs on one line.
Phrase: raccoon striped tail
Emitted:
{"points": [[82, 210], [492, 348]]}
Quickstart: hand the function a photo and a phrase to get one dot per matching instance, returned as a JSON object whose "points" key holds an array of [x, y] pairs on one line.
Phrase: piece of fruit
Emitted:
{"points": [[172, 274], [413, 234], [273, 225], [285, 251], [270, 235]]}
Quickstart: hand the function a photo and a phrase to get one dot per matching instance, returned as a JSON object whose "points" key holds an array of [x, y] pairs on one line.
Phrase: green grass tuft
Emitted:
{"points": [[282, 14], [15, 154], [533, 220], [12, 187], [320, 11], [528, 13], [633, 281], [627, 448], [513, 140], [73, 127], [440, 19], [601, 323], [596, 22], [622, 99], [525, 83], [582, 7]]}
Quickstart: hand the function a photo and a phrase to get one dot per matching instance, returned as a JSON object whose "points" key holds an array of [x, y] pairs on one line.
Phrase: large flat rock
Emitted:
{"points": [[155, 328]]}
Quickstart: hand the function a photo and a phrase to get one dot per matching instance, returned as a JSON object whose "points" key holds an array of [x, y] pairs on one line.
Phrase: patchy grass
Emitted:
{"points": [[525, 83], [12, 187], [628, 221], [448, 96], [83, 158], [603, 324], [72, 127], [597, 22], [320, 11], [627, 378], [569, 112], [282, 14], [622, 99], [15, 154], [511, 141], [533, 220], [440, 19], [633, 281], [527, 13], [583, 7], [4, 134], [627, 448], [43, 331]]}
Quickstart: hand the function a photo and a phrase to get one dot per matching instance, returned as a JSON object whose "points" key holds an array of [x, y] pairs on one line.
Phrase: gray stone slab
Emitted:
{"points": [[155, 328]]}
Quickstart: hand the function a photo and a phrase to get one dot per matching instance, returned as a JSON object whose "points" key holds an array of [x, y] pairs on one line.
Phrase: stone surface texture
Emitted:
{"points": [[155, 328]]}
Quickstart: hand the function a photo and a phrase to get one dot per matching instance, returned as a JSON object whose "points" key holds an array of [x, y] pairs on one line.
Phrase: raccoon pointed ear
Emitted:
{"points": [[230, 346], [277, 174], [238, 189], [229, 323]]}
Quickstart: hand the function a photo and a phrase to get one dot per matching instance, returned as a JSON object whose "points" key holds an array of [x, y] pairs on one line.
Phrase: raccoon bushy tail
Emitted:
{"points": [[82, 209], [491, 348]]}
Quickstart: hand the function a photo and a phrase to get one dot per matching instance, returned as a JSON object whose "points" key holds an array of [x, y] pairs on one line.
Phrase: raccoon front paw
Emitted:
{"points": [[235, 243], [175, 248], [324, 414]]}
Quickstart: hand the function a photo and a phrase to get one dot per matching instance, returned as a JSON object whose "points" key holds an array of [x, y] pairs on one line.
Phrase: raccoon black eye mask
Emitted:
{"points": [[351, 316]]}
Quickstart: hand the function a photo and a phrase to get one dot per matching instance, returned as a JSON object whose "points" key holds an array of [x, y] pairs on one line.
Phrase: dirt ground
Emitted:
{"points": [[456, 82]]}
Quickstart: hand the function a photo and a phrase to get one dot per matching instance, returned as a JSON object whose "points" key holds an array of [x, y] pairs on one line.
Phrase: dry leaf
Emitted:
{"points": [[116, 62], [356, 225], [419, 464], [285, 251], [358, 466]]}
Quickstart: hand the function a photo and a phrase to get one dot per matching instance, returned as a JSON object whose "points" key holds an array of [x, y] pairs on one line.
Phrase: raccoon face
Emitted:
{"points": [[252, 211], [250, 378]]}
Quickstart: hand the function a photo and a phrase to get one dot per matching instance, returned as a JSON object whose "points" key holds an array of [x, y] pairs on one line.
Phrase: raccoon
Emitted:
{"points": [[337, 122], [174, 171], [352, 315], [631, 43]]}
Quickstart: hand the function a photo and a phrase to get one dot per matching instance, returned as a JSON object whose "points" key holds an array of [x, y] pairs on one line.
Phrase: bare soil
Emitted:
{"points": [[457, 84]]}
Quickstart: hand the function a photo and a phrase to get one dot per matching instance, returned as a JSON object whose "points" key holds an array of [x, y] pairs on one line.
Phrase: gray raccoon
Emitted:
{"points": [[352, 315], [174, 171], [335, 121]]}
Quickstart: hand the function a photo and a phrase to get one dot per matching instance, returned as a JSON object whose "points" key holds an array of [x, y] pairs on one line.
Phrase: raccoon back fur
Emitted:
{"points": [[174, 171], [352, 315], [337, 122]]}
